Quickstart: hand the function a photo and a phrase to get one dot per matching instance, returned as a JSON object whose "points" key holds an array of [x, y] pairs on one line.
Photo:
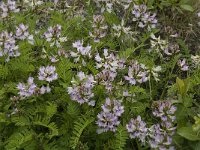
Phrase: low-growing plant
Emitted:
{"points": [[99, 74]]}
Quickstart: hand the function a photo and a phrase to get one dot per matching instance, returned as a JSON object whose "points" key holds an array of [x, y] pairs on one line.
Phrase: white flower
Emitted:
{"points": [[198, 14], [196, 60]]}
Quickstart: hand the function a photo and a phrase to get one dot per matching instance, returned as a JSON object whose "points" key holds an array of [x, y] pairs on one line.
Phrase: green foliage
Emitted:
{"points": [[196, 126], [45, 122], [52, 120], [188, 133], [51, 109], [19, 138], [120, 138], [111, 18], [79, 126], [179, 5], [183, 86]]}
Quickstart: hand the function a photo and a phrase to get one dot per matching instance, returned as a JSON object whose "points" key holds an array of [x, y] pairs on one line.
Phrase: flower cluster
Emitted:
{"points": [[154, 72], [105, 5], [173, 48], [109, 63], [119, 30], [47, 73], [81, 90], [165, 111], [159, 139], [160, 46], [8, 47], [5, 9], [182, 64], [99, 28], [137, 129], [137, 73], [161, 134], [143, 17], [53, 35], [163, 47], [108, 118], [109, 5], [33, 4], [106, 77], [29, 89], [45, 89], [81, 52], [157, 136], [22, 33]]}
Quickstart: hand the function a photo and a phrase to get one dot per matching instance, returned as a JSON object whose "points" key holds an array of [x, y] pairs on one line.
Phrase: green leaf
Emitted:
{"points": [[18, 138], [127, 53], [180, 84], [51, 109], [196, 146], [45, 122], [2, 117], [111, 18], [79, 126], [196, 126], [138, 108], [184, 1], [121, 137], [187, 7], [188, 133]]}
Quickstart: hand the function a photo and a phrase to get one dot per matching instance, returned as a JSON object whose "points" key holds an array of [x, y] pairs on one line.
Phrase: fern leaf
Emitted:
{"points": [[73, 109], [39, 120], [121, 137], [91, 67], [19, 138], [125, 54], [3, 72], [51, 109], [21, 120], [79, 126]]}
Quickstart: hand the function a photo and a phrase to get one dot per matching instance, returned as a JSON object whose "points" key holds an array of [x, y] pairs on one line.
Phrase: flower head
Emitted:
{"points": [[27, 90], [99, 28], [137, 73], [183, 65], [166, 112], [144, 17], [108, 118], [22, 33], [53, 35], [81, 52], [6, 8], [47, 73], [137, 129], [8, 47], [81, 90]]}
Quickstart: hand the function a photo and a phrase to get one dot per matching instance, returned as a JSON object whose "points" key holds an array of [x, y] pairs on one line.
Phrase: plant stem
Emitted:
{"points": [[150, 87]]}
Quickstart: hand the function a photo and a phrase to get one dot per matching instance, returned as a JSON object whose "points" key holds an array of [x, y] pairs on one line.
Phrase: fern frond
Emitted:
{"points": [[91, 67], [45, 122], [21, 120], [121, 137], [3, 72], [79, 126], [63, 69], [19, 138], [73, 109], [127, 53], [51, 109]]}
